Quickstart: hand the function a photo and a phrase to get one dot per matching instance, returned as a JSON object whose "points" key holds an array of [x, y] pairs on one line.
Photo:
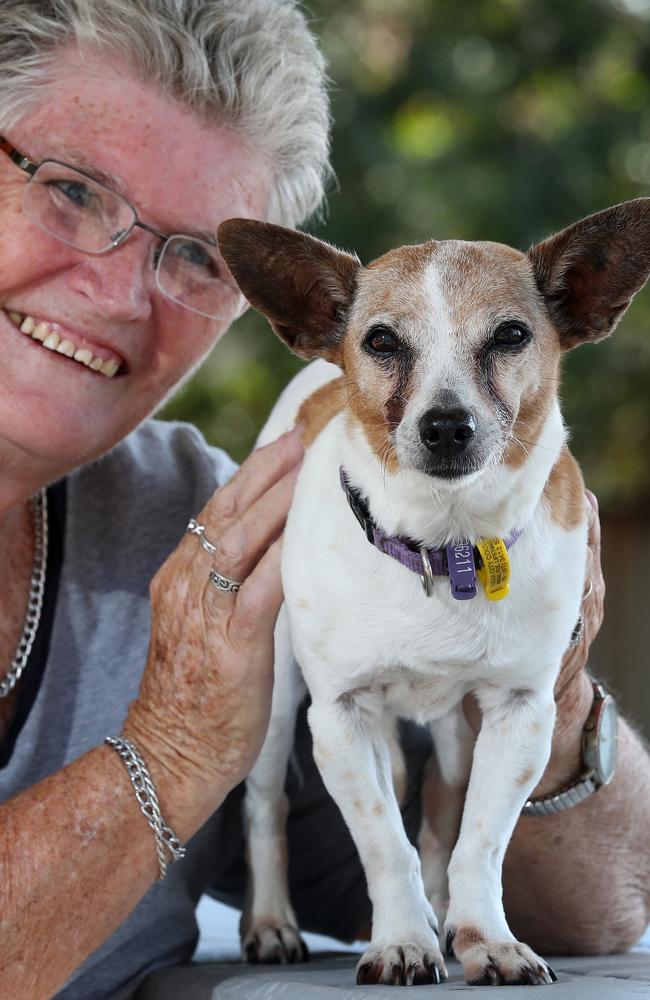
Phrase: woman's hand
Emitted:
{"points": [[203, 707], [593, 602]]}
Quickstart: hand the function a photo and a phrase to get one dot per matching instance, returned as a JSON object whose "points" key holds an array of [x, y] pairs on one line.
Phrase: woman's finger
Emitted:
{"points": [[594, 593], [261, 470], [261, 596], [594, 524], [239, 548]]}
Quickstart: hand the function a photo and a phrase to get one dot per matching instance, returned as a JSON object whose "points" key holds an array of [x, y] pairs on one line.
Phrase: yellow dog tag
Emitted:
{"points": [[494, 574]]}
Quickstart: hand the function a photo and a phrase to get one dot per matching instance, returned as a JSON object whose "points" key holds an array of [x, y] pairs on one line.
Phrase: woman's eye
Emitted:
{"points": [[76, 192], [511, 335], [195, 256], [382, 340]]}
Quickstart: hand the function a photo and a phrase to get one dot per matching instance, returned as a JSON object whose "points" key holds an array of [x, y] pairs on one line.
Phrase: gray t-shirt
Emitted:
{"points": [[123, 515]]}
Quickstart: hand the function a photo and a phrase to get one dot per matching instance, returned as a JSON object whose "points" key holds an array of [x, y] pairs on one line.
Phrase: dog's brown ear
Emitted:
{"points": [[589, 273], [302, 285]]}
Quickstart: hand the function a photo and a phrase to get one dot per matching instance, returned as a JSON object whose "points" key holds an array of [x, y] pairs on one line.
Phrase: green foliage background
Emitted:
{"points": [[488, 119]]}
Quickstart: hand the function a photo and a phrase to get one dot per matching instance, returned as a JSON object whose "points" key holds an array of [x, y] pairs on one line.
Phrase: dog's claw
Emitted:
{"points": [[401, 965], [507, 963], [251, 953], [449, 941], [281, 945], [363, 973]]}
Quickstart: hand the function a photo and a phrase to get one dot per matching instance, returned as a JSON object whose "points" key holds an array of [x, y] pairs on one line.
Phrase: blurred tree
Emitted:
{"points": [[495, 119]]}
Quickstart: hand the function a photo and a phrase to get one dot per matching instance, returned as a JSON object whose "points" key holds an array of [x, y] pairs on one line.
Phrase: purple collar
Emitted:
{"points": [[458, 561]]}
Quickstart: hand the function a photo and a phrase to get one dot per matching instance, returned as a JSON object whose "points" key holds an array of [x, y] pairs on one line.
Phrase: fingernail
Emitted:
{"points": [[296, 436]]}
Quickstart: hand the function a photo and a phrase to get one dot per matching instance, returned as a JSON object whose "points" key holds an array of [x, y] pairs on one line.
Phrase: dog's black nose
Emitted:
{"points": [[446, 432]]}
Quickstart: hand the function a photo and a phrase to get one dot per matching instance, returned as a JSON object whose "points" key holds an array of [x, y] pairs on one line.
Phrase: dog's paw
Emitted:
{"points": [[274, 945], [407, 964], [497, 963]]}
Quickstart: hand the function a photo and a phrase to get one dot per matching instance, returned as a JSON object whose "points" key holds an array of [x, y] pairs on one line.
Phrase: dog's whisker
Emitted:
{"points": [[521, 444], [534, 444]]}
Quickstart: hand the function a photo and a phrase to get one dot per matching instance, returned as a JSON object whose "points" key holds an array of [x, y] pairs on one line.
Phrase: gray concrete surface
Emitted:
{"points": [[331, 977]]}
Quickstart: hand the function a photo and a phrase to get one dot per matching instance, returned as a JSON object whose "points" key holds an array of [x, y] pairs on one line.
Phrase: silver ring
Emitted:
{"points": [[194, 528], [223, 583]]}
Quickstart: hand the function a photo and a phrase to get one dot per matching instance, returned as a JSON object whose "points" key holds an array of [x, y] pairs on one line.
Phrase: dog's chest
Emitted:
{"points": [[360, 618], [361, 621]]}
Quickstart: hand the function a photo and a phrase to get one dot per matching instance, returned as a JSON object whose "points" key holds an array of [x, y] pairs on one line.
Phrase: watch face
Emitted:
{"points": [[607, 740]]}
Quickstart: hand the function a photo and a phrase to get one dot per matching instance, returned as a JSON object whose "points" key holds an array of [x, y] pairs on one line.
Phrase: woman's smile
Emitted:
{"points": [[53, 338]]}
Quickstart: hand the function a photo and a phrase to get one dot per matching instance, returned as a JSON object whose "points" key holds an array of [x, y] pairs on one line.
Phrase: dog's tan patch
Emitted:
{"points": [[525, 777], [528, 424], [467, 937], [378, 809], [564, 493], [319, 408], [407, 261], [476, 277], [390, 286], [364, 412], [375, 402], [302, 603], [493, 280]]}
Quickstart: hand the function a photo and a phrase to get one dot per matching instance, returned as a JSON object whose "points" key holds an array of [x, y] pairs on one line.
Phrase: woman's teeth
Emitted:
{"points": [[53, 341]]}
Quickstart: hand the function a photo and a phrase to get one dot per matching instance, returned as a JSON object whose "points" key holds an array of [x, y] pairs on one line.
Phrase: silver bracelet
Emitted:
{"points": [[145, 793]]}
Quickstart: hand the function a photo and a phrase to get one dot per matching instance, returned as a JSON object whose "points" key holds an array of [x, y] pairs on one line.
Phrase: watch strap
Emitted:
{"points": [[589, 781], [559, 801]]}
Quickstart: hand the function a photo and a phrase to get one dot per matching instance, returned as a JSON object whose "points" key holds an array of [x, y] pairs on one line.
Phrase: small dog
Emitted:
{"points": [[437, 420]]}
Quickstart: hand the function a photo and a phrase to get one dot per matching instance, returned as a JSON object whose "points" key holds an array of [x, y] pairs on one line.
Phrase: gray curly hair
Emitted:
{"points": [[253, 64]]}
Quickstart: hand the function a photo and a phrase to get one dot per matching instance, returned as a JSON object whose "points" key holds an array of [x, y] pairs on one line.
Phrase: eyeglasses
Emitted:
{"points": [[85, 214]]}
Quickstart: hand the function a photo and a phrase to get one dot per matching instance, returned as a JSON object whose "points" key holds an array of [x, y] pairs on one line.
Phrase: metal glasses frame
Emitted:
{"points": [[30, 167]]}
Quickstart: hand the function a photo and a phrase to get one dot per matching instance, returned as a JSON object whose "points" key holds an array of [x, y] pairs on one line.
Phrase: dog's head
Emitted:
{"points": [[450, 349]]}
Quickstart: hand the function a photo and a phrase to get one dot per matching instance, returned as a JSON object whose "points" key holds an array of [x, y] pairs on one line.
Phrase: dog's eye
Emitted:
{"points": [[382, 340], [511, 335]]}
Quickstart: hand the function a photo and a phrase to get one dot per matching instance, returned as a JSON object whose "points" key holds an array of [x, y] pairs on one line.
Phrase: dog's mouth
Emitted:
{"points": [[450, 469]]}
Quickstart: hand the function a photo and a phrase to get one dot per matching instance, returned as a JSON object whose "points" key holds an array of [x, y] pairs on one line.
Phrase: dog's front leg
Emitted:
{"points": [[269, 929], [355, 764], [511, 752]]}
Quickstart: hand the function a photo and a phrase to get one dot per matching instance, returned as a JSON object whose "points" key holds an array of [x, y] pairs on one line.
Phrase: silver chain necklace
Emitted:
{"points": [[36, 591]]}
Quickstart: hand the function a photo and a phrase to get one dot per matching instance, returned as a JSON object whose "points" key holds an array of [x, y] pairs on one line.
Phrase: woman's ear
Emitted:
{"points": [[302, 285]]}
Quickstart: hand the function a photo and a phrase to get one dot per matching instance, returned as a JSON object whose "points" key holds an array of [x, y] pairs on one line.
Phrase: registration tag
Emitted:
{"points": [[494, 574]]}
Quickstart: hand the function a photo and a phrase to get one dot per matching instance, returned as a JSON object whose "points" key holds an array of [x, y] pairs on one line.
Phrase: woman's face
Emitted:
{"points": [[180, 176]]}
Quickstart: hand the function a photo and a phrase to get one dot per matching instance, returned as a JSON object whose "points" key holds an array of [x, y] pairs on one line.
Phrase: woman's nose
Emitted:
{"points": [[121, 282]]}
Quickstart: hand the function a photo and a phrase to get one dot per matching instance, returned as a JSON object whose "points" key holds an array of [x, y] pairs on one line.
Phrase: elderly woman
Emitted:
{"points": [[129, 131]]}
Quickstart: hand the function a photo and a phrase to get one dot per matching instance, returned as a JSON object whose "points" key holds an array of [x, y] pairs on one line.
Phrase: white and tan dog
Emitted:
{"points": [[442, 412]]}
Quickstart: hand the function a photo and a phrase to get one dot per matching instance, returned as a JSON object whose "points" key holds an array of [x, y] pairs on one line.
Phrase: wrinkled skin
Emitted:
{"points": [[205, 697]]}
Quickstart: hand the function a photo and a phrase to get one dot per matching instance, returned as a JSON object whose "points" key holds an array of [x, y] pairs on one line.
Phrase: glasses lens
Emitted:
{"points": [[76, 209], [193, 273]]}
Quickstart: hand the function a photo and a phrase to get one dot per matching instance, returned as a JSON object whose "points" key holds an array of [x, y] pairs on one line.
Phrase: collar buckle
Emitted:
{"points": [[426, 576]]}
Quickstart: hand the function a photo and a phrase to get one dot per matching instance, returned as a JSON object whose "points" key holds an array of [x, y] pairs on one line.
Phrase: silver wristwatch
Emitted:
{"points": [[599, 745]]}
